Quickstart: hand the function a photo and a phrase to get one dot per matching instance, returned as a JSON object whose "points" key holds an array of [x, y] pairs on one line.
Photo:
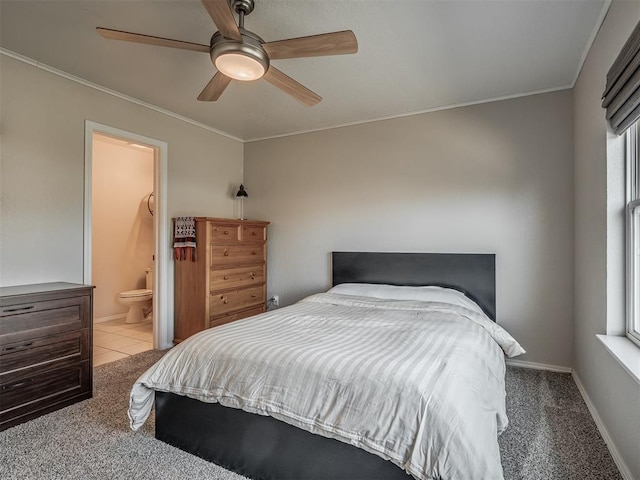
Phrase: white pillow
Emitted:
{"points": [[394, 292]]}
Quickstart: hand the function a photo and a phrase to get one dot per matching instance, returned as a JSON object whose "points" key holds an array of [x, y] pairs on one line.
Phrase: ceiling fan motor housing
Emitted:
{"points": [[250, 47], [244, 6]]}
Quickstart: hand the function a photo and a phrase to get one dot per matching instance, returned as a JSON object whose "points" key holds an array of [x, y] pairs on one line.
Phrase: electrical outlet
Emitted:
{"points": [[275, 300]]}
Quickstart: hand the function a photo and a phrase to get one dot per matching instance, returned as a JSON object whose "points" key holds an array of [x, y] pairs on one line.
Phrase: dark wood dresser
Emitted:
{"points": [[45, 349]]}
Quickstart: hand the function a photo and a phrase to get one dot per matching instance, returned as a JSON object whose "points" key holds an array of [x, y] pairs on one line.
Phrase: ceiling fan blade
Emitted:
{"points": [[288, 85], [149, 40], [336, 43], [222, 15], [214, 88]]}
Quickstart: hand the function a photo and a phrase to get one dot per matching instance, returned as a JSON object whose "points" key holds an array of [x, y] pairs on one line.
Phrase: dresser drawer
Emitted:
{"points": [[254, 234], [32, 320], [232, 317], [225, 233], [226, 255], [237, 300], [33, 396], [47, 387], [42, 350], [237, 277]]}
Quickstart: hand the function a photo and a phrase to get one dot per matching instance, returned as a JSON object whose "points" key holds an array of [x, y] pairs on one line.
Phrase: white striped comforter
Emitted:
{"points": [[418, 383]]}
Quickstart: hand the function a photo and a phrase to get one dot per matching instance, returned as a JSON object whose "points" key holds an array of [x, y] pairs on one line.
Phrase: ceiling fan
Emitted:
{"points": [[239, 54]]}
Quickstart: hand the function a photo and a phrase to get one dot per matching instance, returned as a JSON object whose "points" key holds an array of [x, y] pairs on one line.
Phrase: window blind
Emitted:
{"points": [[621, 96]]}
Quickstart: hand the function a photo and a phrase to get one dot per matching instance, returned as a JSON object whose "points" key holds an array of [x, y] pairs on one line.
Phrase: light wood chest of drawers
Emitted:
{"points": [[227, 282], [45, 349]]}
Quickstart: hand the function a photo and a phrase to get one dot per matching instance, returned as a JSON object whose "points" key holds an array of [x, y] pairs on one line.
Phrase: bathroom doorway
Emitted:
{"points": [[125, 181], [122, 247]]}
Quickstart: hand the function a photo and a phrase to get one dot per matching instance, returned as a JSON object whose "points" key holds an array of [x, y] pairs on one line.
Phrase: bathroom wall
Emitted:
{"points": [[122, 227]]}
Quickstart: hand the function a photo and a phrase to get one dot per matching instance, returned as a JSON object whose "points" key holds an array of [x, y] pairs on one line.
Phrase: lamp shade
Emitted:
{"points": [[242, 193]]}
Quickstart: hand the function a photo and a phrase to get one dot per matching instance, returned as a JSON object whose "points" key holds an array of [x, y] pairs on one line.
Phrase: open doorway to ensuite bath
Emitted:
{"points": [[125, 178]]}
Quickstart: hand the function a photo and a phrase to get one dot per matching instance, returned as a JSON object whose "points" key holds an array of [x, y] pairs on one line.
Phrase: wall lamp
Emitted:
{"points": [[242, 194]]}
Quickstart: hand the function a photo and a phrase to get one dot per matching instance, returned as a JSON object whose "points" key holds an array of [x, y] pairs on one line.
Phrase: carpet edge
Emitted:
{"points": [[611, 446]]}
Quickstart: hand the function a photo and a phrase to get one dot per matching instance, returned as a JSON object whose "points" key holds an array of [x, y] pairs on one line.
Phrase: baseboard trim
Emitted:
{"points": [[109, 318], [539, 366], [620, 463]]}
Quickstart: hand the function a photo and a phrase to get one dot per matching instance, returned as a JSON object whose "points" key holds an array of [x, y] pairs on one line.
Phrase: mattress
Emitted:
{"points": [[418, 383]]}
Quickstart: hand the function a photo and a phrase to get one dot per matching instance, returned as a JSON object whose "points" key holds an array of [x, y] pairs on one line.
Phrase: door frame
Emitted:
{"points": [[162, 324]]}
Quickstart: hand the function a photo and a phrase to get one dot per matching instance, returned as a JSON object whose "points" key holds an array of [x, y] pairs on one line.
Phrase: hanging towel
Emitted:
{"points": [[184, 238]]}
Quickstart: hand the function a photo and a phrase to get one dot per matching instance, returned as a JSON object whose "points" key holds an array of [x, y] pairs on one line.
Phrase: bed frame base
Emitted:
{"points": [[262, 448]]}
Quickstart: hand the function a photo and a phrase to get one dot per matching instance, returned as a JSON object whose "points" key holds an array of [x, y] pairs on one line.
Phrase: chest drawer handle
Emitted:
{"points": [[226, 253], [254, 253], [22, 383], [253, 233], [17, 347], [225, 301], [226, 277], [18, 309], [253, 275], [254, 295]]}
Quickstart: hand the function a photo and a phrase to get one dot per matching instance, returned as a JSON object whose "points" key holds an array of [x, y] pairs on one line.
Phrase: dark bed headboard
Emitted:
{"points": [[471, 273]]}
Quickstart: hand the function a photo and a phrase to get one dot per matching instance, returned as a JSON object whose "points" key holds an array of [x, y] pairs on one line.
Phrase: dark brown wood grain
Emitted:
{"points": [[45, 349]]}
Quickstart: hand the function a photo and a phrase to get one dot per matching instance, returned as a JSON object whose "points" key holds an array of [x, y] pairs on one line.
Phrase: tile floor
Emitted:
{"points": [[116, 339]]}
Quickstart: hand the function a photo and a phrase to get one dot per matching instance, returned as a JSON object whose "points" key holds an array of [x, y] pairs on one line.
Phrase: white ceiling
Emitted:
{"points": [[414, 55]]}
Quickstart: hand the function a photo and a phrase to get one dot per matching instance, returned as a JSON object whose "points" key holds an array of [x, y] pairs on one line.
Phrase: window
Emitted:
{"points": [[633, 232]]}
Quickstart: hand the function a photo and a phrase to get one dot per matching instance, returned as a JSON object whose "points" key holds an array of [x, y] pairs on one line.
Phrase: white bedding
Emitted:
{"points": [[418, 383], [427, 293]]}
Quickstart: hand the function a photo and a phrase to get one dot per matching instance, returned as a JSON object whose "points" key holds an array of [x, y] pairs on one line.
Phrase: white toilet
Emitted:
{"points": [[138, 300]]}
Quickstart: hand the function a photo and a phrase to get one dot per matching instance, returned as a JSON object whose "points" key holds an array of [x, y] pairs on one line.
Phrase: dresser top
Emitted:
{"points": [[40, 288], [232, 220]]}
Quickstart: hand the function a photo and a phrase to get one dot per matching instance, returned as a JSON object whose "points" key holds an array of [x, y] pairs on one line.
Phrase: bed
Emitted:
{"points": [[327, 407]]}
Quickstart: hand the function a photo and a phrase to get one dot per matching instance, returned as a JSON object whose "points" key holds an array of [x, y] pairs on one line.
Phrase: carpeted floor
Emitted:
{"points": [[551, 435]]}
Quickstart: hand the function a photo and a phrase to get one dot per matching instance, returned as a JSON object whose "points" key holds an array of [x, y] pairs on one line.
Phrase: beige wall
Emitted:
{"points": [[122, 227], [493, 178], [599, 242], [42, 171]]}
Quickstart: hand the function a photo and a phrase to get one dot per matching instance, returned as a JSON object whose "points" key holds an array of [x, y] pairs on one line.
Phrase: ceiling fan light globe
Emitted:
{"points": [[245, 61], [240, 67]]}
